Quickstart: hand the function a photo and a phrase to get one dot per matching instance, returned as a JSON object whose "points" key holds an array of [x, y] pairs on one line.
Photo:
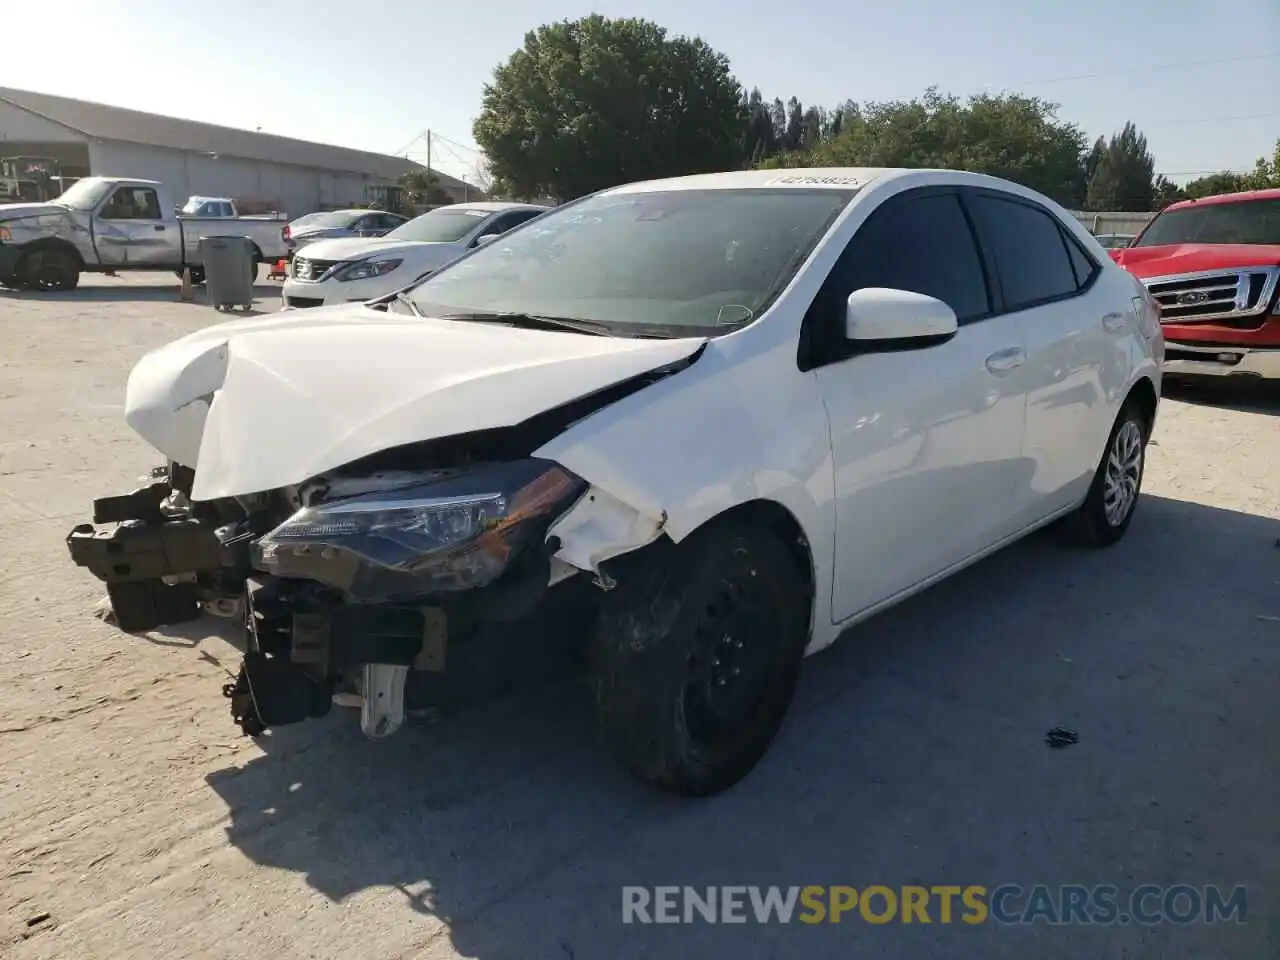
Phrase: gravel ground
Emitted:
{"points": [[135, 823]]}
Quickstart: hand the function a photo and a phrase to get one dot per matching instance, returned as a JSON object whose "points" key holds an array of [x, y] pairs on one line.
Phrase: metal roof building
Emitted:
{"points": [[261, 169]]}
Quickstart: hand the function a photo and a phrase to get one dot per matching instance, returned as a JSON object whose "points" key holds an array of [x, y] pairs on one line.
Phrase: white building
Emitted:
{"points": [[261, 169]]}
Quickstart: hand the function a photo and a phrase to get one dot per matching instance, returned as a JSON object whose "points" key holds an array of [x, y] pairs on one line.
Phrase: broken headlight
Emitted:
{"points": [[454, 532]]}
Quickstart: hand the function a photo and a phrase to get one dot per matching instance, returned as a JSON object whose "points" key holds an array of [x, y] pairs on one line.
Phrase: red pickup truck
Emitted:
{"points": [[1213, 265]]}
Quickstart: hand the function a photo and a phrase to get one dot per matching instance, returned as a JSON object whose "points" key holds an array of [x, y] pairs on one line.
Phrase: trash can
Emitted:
{"points": [[229, 271]]}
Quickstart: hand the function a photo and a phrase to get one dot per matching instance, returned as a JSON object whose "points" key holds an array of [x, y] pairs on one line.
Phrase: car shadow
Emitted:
{"points": [[1247, 395], [914, 753], [133, 292]]}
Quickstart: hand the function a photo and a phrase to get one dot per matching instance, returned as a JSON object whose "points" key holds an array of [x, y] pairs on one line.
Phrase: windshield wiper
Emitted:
{"points": [[409, 302], [534, 321]]}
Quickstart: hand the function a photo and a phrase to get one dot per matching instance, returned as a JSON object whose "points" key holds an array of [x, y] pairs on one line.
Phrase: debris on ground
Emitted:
{"points": [[1060, 737]]}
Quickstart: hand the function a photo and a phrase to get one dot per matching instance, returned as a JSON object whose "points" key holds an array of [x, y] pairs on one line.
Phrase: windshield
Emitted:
{"points": [[445, 225], [1243, 221], [209, 205], [84, 194], [706, 260], [327, 221]]}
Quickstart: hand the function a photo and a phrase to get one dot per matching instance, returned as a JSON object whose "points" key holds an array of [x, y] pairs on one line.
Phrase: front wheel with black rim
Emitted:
{"points": [[696, 656], [1108, 509], [49, 269]]}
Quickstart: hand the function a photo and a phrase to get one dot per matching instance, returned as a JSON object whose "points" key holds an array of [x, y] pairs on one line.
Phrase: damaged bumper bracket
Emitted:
{"points": [[299, 647], [137, 558]]}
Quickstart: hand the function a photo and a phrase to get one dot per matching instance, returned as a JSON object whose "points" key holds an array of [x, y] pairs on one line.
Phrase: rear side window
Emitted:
{"points": [[1083, 267], [922, 244], [1030, 252]]}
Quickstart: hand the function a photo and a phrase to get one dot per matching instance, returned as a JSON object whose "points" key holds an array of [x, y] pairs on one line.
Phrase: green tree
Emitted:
{"points": [[1094, 158], [589, 103], [1008, 135], [1264, 175], [1122, 178], [1165, 192], [1225, 182], [423, 187], [758, 139], [1266, 172]]}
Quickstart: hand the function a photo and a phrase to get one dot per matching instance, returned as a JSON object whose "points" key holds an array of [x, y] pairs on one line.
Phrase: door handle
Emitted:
{"points": [[1010, 358], [159, 228], [1115, 322]]}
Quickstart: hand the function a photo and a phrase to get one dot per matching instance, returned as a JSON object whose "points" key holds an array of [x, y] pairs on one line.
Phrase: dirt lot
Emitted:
{"points": [[134, 822]]}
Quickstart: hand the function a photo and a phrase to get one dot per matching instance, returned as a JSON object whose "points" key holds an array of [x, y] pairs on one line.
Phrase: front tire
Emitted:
{"points": [[50, 269], [696, 657], [1108, 509]]}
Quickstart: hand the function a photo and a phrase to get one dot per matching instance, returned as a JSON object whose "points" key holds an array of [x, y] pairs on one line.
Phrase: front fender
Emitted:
{"points": [[725, 431]]}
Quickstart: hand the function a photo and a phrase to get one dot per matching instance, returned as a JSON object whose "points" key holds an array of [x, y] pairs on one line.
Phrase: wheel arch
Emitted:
{"points": [[760, 513], [46, 244], [1143, 395]]}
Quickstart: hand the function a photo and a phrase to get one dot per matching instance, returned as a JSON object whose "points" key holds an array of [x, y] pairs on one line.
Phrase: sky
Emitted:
{"points": [[1201, 78]]}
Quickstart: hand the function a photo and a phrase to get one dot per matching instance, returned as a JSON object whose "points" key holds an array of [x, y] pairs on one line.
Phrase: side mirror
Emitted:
{"points": [[878, 315], [486, 238]]}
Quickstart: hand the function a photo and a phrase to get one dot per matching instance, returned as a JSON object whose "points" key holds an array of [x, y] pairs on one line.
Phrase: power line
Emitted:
{"points": [[1155, 68], [1178, 121]]}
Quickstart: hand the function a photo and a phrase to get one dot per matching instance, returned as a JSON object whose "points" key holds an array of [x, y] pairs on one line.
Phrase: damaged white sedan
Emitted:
{"points": [[743, 411]]}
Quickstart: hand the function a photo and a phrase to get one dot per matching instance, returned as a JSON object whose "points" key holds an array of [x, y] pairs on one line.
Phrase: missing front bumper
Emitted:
{"points": [[163, 560]]}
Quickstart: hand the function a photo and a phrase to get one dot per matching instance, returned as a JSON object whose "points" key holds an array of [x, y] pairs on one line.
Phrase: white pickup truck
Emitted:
{"points": [[111, 224], [223, 207]]}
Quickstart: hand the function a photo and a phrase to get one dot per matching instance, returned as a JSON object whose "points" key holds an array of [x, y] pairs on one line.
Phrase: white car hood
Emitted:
{"points": [[19, 211], [262, 403], [357, 248]]}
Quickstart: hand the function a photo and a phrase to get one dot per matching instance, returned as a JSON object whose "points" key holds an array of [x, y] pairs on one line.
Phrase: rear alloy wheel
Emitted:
{"points": [[1108, 509], [696, 657]]}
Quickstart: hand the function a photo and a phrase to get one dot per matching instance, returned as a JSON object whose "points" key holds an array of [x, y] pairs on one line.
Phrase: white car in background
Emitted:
{"points": [[357, 269]]}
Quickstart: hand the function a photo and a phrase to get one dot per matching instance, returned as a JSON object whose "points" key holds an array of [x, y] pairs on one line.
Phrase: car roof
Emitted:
{"points": [[830, 178], [321, 213], [1241, 196], [492, 206], [834, 178]]}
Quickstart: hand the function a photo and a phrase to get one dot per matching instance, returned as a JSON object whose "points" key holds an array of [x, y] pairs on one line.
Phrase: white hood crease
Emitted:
{"points": [[298, 394]]}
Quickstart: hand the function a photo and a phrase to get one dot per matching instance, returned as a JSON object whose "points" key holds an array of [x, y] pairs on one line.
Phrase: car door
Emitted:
{"points": [[927, 441], [130, 229], [1045, 277]]}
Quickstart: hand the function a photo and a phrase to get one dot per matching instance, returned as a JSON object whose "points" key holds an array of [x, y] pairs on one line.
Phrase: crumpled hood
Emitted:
{"points": [[265, 402], [18, 211], [1161, 261], [357, 248]]}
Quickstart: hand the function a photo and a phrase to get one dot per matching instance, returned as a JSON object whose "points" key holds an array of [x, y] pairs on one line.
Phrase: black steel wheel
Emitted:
{"points": [[49, 269], [696, 656]]}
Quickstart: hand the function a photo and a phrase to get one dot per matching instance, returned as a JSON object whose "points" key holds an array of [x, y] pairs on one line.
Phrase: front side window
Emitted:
{"points": [[1029, 249], [922, 244], [1242, 221], [132, 203], [706, 261]]}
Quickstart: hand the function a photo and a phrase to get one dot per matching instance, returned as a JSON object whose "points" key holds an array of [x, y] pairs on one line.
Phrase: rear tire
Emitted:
{"points": [[1113, 496], [696, 656]]}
